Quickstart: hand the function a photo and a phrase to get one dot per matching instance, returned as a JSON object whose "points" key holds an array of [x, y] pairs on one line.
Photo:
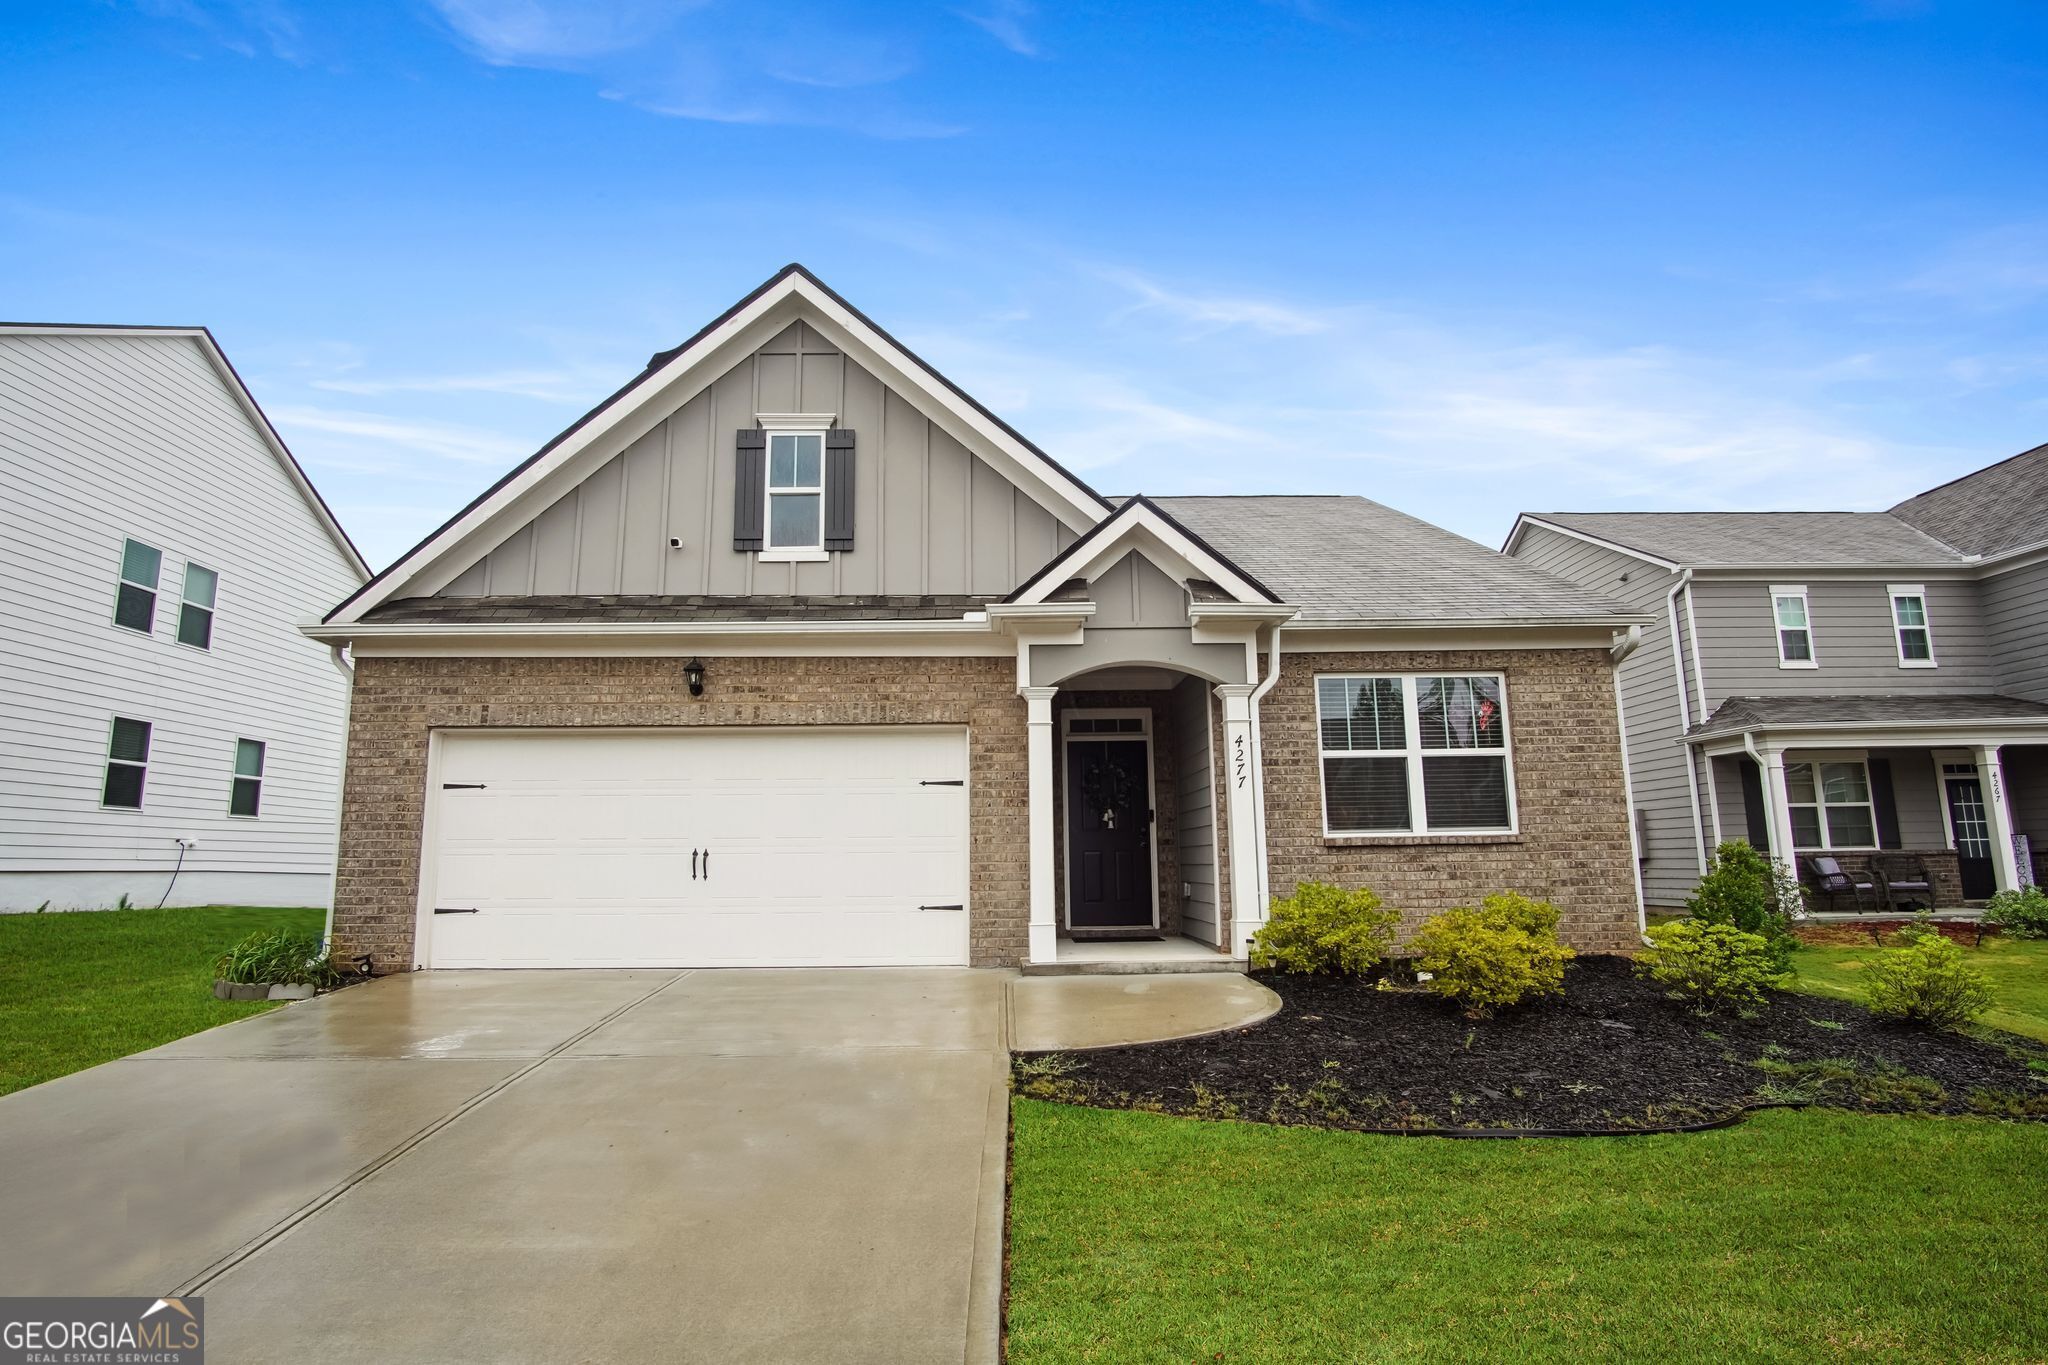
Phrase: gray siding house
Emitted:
{"points": [[1867, 686]]}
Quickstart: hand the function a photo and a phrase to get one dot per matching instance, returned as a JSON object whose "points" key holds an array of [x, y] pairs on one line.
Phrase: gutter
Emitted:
{"points": [[1272, 634], [1692, 772], [348, 701], [1626, 643]]}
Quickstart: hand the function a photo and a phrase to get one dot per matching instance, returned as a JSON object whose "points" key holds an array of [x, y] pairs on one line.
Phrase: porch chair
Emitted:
{"points": [[1831, 882], [1905, 880]]}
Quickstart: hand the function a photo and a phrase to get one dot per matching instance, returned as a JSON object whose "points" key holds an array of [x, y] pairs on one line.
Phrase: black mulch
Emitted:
{"points": [[1612, 1053]]}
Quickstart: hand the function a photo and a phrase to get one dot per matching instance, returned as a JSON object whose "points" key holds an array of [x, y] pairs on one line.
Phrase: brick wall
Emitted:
{"points": [[1573, 848], [397, 701]]}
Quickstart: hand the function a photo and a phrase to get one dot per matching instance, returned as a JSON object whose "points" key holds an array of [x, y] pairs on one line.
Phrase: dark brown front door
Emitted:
{"points": [[1972, 826], [1109, 835]]}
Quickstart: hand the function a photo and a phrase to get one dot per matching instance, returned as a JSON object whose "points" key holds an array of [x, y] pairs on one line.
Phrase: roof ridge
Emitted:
{"points": [[1960, 478]]}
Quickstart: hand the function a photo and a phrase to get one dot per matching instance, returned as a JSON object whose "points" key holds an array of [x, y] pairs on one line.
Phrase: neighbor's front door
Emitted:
{"points": [[1973, 837], [1109, 834]]}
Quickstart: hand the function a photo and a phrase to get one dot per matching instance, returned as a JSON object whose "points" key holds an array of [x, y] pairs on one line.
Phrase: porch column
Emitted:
{"points": [[2005, 863], [1777, 809], [1247, 913], [1044, 931]]}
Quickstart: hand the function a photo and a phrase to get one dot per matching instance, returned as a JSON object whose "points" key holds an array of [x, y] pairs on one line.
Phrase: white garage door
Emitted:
{"points": [[699, 848]]}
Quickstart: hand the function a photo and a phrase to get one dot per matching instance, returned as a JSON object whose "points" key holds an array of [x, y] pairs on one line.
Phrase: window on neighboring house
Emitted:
{"points": [[135, 601], [796, 491], [1909, 624], [1830, 805], [1414, 754], [195, 615], [127, 761], [1795, 628], [246, 797]]}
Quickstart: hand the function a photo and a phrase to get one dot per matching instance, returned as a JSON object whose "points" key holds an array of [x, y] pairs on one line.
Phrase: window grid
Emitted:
{"points": [[245, 794], [1409, 754], [195, 612], [127, 764], [135, 598], [1792, 619], [1830, 805], [1910, 630]]}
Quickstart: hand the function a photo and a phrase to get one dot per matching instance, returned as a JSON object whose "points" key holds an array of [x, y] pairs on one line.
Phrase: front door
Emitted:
{"points": [[1109, 834], [1973, 837]]}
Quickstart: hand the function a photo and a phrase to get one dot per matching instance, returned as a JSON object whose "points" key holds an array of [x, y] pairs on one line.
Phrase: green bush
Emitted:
{"points": [[1502, 953], [2020, 914], [1745, 889], [279, 957], [1325, 928], [1710, 966], [1926, 981]]}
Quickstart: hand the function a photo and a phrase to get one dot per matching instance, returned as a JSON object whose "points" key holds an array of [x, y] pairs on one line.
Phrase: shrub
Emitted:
{"points": [[1325, 928], [278, 957], [1745, 889], [1926, 981], [1502, 953], [1709, 965], [2020, 914]]}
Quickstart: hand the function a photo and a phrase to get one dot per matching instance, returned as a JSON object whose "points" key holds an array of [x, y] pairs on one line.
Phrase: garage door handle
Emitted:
{"points": [[462, 786], [946, 782], [693, 864], [444, 910], [942, 907], [707, 864]]}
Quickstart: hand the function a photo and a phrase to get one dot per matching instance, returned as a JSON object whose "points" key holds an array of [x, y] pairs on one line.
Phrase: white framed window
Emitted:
{"points": [[1830, 804], [245, 792], [1412, 753], [127, 763], [1910, 630], [795, 516], [195, 613], [135, 599], [1794, 625]]}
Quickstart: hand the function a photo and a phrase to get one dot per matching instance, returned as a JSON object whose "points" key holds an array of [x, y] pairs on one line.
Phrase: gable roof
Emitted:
{"points": [[2000, 507], [239, 391], [1142, 523], [669, 378], [1348, 559], [1741, 539]]}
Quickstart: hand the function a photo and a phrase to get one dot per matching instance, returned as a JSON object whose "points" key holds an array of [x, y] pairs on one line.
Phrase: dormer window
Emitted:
{"points": [[796, 495]]}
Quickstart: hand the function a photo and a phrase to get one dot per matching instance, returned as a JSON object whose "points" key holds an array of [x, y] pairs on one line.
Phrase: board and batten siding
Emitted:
{"points": [[1194, 766], [929, 516], [106, 437], [1658, 770], [2016, 628]]}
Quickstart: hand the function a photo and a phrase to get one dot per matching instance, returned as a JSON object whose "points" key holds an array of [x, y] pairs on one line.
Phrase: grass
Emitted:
{"points": [[2018, 971], [84, 988], [1797, 1236]]}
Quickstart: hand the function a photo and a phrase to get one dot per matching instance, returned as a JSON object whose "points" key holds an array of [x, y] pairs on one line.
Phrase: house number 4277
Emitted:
{"points": [[1237, 757]]}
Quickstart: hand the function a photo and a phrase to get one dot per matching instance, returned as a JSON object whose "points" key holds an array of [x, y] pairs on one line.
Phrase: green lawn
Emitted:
{"points": [[1797, 1236], [2018, 971], [84, 988]]}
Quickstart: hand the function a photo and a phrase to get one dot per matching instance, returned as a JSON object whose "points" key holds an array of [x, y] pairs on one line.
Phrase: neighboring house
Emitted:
{"points": [[160, 713], [790, 652], [1845, 684]]}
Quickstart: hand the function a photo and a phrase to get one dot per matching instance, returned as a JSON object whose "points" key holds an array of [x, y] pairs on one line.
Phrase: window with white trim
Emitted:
{"points": [[1414, 754], [195, 613], [796, 492], [127, 763], [1909, 625], [245, 794], [1795, 627], [1830, 805], [135, 599]]}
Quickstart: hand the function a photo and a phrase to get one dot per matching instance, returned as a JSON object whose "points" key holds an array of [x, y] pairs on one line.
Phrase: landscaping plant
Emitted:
{"points": [[1710, 966], [2019, 914], [1926, 981], [1747, 890], [278, 957], [1502, 953], [1325, 928]]}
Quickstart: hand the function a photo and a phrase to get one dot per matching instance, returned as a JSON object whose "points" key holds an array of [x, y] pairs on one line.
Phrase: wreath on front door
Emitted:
{"points": [[1108, 789]]}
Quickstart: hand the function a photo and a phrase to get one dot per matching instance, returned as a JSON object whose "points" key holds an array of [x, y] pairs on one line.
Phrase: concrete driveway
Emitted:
{"points": [[544, 1166]]}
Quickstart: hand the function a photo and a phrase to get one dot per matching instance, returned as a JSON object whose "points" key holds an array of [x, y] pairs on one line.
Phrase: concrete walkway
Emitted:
{"points": [[1074, 1013], [544, 1166]]}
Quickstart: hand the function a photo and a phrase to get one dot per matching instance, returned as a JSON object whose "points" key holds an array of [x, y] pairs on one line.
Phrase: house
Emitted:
{"points": [[1870, 687], [166, 734], [792, 653]]}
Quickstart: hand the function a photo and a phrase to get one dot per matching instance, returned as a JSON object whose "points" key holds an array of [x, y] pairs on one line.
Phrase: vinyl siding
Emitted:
{"points": [[929, 517], [2016, 628], [103, 438], [1194, 764]]}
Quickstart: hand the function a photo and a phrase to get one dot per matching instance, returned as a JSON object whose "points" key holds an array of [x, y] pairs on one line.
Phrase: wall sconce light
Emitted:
{"points": [[693, 674]]}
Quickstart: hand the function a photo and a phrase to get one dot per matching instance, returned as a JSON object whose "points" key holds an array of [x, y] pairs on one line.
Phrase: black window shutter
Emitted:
{"points": [[1886, 802], [1753, 807], [839, 489], [749, 487]]}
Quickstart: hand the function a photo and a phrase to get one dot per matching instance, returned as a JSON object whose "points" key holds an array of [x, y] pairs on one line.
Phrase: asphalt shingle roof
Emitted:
{"points": [[1998, 508], [1349, 559], [1749, 713], [1713, 539], [649, 608]]}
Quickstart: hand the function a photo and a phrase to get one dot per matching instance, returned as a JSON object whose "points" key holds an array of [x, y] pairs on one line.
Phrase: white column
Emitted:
{"points": [[1044, 933], [2005, 863], [1777, 810], [1240, 774]]}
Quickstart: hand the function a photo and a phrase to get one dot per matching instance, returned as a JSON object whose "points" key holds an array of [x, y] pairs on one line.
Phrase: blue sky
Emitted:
{"points": [[1464, 258]]}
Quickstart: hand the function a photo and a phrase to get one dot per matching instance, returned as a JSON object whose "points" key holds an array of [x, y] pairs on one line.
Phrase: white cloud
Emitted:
{"points": [[547, 386], [1004, 21], [2000, 268], [1211, 312], [399, 437]]}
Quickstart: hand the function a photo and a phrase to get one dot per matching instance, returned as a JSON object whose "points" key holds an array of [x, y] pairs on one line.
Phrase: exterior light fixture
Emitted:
{"points": [[693, 674]]}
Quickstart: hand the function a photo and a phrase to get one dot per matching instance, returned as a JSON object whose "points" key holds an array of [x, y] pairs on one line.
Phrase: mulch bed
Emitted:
{"points": [[1611, 1054]]}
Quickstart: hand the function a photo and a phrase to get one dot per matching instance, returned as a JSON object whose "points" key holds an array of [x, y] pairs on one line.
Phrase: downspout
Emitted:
{"points": [[348, 697], [1692, 771], [1626, 644], [1259, 763]]}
